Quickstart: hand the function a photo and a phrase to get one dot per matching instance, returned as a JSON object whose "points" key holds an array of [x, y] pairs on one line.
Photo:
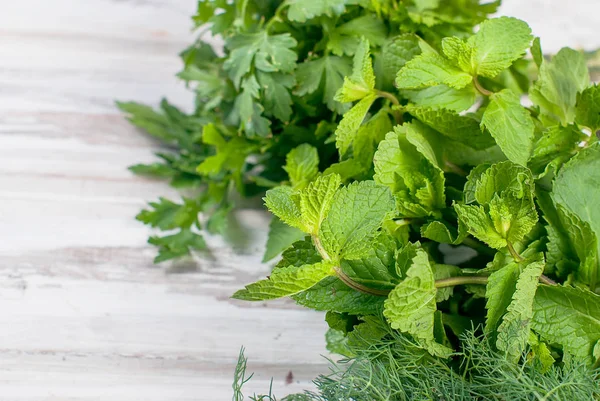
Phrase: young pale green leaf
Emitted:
{"points": [[536, 52], [480, 225], [362, 81], [430, 69], [558, 83], [281, 237], [417, 184], [316, 199], [497, 44], [302, 165], [510, 125], [286, 281], [587, 109], [327, 72], [411, 306], [568, 316], [498, 179], [513, 217], [303, 10], [513, 332], [283, 202], [347, 129], [356, 214]]}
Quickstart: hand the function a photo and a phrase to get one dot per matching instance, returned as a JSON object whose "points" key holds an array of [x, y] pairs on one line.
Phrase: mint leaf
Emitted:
{"points": [[556, 146], [362, 80], [377, 269], [347, 129], [331, 294], [513, 333], [510, 125], [569, 317], [417, 184], [356, 213], [281, 237], [443, 233], [410, 307], [558, 83], [284, 203], [430, 69], [302, 165], [396, 52], [498, 43], [480, 225], [442, 97], [286, 281], [587, 112], [316, 199]]}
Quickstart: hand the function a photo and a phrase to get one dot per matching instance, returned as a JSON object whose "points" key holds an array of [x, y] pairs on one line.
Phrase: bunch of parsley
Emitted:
{"points": [[414, 195]]}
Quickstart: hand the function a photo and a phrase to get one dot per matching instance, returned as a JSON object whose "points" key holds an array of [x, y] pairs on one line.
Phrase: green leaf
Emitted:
{"points": [[316, 200], [268, 53], [417, 184], [277, 99], [497, 44], [463, 129], [443, 233], [430, 69], [300, 253], [303, 10], [331, 294], [362, 80], [574, 187], [302, 165], [558, 83], [480, 225], [281, 237], [587, 112], [356, 213], [499, 179], [569, 317], [347, 129], [283, 202], [230, 155], [513, 332], [168, 215], [511, 126], [377, 269], [555, 147], [346, 38], [286, 281], [500, 288], [327, 72], [442, 97], [410, 307], [177, 245], [396, 52], [536, 51]]}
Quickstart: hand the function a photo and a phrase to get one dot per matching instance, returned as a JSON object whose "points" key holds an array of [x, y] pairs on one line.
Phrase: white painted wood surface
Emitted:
{"points": [[84, 314]]}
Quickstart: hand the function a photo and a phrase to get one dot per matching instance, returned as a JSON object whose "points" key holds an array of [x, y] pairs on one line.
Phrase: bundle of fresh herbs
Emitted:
{"points": [[449, 230]]}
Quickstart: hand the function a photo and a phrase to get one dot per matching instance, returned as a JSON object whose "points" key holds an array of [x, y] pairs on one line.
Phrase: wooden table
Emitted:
{"points": [[84, 314]]}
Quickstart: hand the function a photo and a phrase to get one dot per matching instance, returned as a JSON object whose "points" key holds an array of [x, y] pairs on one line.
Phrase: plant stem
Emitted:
{"points": [[514, 253], [461, 280], [547, 280], [389, 96], [480, 88], [357, 286]]}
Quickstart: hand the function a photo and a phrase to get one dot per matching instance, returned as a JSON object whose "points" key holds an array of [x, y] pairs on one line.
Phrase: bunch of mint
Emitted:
{"points": [[416, 199]]}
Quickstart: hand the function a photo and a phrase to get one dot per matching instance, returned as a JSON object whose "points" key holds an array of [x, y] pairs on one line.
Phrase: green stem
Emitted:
{"points": [[480, 88], [389, 96], [461, 280], [453, 168], [547, 280], [514, 253]]}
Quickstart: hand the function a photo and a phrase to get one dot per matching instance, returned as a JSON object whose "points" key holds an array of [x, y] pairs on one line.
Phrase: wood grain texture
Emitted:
{"points": [[85, 313]]}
